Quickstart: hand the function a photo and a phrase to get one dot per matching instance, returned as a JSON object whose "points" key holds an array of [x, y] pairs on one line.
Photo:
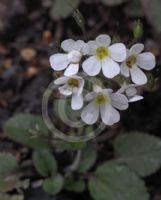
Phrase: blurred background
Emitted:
{"points": [[32, 30]]}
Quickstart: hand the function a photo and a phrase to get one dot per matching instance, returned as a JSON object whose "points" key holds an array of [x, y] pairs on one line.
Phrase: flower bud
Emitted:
{"points": [[77, 15], [138, 30], [152, 83]]}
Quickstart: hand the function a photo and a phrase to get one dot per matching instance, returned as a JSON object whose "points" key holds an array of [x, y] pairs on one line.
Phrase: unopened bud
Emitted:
{"points": [[77, 15], [138, 30], [120, 80], [152, 83]]}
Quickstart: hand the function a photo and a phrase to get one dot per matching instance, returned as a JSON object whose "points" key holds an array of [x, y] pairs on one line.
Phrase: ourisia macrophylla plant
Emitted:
{"points": [[113, 60]]}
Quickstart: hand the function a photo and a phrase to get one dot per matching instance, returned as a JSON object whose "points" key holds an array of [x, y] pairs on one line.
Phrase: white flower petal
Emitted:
{"points": [[67, 45], [65, 90], [91, 66], [77, 102], [81, 86], [72, 69], [137, 75], [124, 70], [90, 113], [90, 96], [126, 86], [119, 101], [109, 114], [74, 56], [97, 88], [136, 98], [146, 61], [107, 91], [105, 110], [75, 90], [103, 40], [115, 116], [117, 52], [136, 49], [61, 80], [77, 77], [110, 68], [131, 91], [89, 48], [59, 61], [79, 44]]}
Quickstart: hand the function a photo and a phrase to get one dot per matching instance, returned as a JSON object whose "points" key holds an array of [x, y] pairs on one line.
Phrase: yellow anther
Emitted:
{"points": [[101, 53]]}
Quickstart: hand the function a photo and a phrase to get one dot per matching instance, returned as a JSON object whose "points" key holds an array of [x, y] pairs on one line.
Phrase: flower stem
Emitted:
{"points": [[74, 166]]}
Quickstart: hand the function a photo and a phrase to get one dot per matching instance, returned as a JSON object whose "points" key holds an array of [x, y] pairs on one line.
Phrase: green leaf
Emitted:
{"points": [[116, 182], [10, 197], [44, 162], [8, 164], [63, 8], [75, 186], [2, 182], [140, 152], [21, 128], [152, 12], [134, 9], [88, 159], [113, 2], [53, 185]]}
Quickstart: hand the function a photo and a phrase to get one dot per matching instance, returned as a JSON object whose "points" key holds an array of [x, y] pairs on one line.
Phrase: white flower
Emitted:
{"points": [[103, 102], [130, 91], [72, 86], [136, 60], [103, 56], [70, 60]]}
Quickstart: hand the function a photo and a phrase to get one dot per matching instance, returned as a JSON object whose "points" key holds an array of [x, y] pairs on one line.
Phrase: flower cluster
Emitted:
{"points": [[112, 59]]}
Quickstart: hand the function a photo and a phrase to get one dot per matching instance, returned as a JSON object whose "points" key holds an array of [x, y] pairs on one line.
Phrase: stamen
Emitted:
{"points": [[101, 53], [101, 99], [73, 83], [131, 61]]}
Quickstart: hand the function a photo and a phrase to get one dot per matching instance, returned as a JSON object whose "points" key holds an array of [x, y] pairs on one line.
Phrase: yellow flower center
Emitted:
{"points": [[101, 99], [101, 53], [73, 83], [131, 61]]}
